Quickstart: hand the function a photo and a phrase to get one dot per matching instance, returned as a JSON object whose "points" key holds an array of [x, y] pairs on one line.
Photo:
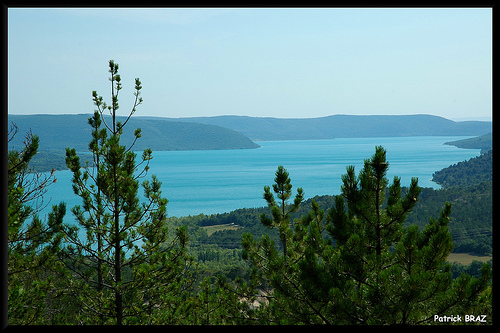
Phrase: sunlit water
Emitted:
{"points": [[218, 181]]}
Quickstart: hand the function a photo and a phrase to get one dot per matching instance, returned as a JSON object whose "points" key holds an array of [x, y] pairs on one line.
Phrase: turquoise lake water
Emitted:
{"points": [[218, 181]]}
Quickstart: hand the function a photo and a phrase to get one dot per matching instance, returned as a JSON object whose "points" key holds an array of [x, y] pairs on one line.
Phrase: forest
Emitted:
{"points": [[466, 173], [377, 254]]}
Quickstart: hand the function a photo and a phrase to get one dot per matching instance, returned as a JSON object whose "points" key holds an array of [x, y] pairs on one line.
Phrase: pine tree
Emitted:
{"points": [[281, 216], [395, 275], [216, 303], [127, 267], [32, 242], [359, 265], [291, 301]]}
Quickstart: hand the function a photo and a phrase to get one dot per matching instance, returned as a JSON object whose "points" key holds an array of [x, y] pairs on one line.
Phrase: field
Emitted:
{"points": [[462, 258], [213, 228], [466, 259]]}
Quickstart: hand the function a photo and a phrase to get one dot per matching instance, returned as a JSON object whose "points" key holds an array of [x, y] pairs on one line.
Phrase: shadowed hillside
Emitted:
{"points": [[57, 132], [344, 126]]}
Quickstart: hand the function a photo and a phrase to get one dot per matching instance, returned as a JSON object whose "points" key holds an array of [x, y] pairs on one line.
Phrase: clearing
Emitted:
{"points": [[466, 259], [213, 228]]}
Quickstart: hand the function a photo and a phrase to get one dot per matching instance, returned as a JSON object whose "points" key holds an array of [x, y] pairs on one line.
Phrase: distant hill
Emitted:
{"points": [[57, 132], [483, 142], [344, 126]]}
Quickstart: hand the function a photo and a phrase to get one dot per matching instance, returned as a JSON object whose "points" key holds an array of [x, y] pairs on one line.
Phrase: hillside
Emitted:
{"points": [[57, 132], [483, 142], [344, 126], [467, 173]]}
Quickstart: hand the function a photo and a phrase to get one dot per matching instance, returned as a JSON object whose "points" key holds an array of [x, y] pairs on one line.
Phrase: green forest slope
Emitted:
{"points": [[467, 173]]}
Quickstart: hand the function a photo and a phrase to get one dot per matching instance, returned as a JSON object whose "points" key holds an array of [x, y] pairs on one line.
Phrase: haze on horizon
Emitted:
{"points": [[284, 63]]}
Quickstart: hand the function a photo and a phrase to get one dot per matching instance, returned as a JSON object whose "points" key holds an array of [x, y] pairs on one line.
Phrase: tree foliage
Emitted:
{"points": [[127, 267], [378, 272], [32, 242]]}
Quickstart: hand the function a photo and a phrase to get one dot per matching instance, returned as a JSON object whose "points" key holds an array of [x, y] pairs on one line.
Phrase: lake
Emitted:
{"points": [[218, 181]]}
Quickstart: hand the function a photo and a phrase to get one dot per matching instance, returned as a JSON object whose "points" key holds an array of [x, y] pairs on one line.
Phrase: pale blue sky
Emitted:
{"points": [[287, 63]]}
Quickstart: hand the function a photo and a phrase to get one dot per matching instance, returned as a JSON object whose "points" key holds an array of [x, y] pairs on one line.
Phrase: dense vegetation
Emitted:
{"points": [[466, 173], [354, 258], [469, 185], [345, 126]]}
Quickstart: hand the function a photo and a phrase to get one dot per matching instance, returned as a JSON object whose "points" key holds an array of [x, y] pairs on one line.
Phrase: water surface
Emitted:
{"points": [[218, 181]]}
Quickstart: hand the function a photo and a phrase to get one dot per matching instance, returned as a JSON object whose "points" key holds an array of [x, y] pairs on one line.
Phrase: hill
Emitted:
{"points": [[344, 126], [467, 173], [57, 132], [483, 142]]}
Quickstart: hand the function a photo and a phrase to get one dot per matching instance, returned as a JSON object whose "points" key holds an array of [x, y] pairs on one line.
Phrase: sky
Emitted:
{"points": [[272, 62]]}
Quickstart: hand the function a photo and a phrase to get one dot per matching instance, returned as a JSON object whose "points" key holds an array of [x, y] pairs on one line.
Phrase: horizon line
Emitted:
{"points": [[456, 119]]}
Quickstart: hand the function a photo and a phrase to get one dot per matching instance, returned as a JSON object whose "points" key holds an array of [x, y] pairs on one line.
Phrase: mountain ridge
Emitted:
{"points": [[239, 132], [344, 126], [57, 132]]}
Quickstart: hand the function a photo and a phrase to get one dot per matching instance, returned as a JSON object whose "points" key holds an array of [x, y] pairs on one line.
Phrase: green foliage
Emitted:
{"points": [[471, 217], [127, 269], [32, 243], [281, 216], [467, 173], [378, 272], [468, 185], [473, 269]]}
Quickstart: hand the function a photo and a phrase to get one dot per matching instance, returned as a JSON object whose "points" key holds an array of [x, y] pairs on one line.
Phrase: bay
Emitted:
{"points": [[218, 181]]}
